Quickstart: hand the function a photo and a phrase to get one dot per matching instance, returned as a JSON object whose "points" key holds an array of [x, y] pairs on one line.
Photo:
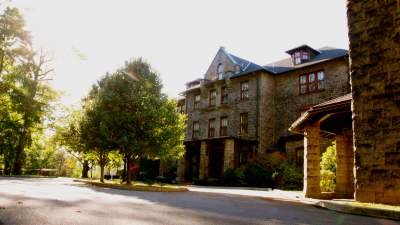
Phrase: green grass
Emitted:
{"points": [[136, 186], [375, 206]]}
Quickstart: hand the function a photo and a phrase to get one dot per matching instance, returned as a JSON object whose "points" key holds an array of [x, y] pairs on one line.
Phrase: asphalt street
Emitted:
{"points": [[60, 201]]}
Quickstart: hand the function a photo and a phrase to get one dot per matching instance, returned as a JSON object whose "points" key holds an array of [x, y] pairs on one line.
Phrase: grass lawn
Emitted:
{"points": [[375, 206], [136, 186]]}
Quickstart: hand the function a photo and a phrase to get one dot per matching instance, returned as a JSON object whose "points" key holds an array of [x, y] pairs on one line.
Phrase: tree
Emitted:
{"points": [[68, 135], [139, 120], [94, 133], [23, 87]]}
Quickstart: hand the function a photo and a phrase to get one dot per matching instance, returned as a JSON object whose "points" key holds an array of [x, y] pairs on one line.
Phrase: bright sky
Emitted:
{"points": [[179, 38]]}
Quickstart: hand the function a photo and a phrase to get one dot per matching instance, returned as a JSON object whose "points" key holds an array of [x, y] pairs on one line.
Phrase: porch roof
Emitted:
{"points": [[322, 111]]}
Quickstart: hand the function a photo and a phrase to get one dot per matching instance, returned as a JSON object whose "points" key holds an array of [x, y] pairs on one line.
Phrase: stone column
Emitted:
{"points": [[229, 154], [375, 85], [312, 155], [344, 164], [203, 173], [180, 173]]}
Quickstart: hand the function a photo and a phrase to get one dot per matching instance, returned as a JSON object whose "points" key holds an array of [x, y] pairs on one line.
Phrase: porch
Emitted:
{"points": [[332, 120], [210, 158]]}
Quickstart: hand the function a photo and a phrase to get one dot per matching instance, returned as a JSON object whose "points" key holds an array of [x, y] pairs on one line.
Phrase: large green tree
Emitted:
{"points": [[141, 122], [23, 88]]}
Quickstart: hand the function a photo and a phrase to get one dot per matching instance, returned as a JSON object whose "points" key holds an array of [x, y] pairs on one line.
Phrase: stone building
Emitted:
{"points": [[365, 123], [240, 110]]}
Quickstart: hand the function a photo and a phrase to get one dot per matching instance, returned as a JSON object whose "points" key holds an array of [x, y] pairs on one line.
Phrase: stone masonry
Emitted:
{"points": [[273, 103], [374, 32], [312, 157], [345, 164]]}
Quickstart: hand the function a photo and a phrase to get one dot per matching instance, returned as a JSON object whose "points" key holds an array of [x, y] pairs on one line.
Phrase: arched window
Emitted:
{"points": [[220, 71]]}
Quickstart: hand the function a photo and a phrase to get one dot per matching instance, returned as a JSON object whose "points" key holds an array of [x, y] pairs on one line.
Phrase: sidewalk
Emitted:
{"points": [[340, 205]]}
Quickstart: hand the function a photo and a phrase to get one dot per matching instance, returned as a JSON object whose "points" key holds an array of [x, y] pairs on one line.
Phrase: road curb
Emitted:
{"points": [[359, 210]]}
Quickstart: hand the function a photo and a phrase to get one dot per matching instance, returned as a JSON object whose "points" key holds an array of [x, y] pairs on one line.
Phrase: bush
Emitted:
{"points": [[258, 176], [328, 169], [233, 177], [287, 177], [327, 181]]}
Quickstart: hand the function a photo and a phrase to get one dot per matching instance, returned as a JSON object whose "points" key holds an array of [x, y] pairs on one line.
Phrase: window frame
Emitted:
{"points": [[242, 158], [223, 130], [244, 123], [244, 93], [212, 98], [195, 132], [211, 129], [220, 71], [224, 95], [196, 103], [317, 83]]}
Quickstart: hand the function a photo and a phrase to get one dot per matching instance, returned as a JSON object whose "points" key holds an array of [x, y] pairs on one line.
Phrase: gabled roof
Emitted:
{"points": [[290, 51], [325, 54], [285, 65], [246, 66]]}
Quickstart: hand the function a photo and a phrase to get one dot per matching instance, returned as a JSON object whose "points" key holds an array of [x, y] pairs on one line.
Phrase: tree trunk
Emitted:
{"points": [[19, 154], [102, 172], [129, 174], [124, 172], [85, 169], [162, 168], [7, 165]]}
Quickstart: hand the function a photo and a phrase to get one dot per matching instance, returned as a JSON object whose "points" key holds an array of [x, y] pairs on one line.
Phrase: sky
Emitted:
{"points": [[179, 38]]}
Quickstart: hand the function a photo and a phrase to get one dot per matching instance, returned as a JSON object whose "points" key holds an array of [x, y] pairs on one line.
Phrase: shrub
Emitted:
{"points": [[258, 176], [327, 181], [328, 169], [233, 177], [287, 177]]}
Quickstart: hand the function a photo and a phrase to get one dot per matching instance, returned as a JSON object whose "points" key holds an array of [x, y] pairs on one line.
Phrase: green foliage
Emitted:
{"points": [[287, 177], [258, 176], [328, 169], [234, 177], [24, 90]]}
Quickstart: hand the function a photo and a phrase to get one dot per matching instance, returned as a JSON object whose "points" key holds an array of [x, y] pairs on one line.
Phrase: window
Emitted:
{"points": [[181, 108], [195, 130], [243, 123], [311, 82], [242, 158], [321, 80], [223, 128], [297, 59], [305, 56], [224, 95], [196, 104], [212, 98], [211, 127], [244, 90], [220, 71]]}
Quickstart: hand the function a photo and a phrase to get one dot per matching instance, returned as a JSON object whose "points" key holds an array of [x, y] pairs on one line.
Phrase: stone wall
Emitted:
{"points": [[232, 109], [374, 32], [267, 112], [222, 58], [288, 100]]}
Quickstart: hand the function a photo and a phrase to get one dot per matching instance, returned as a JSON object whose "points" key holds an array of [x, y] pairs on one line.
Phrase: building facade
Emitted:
{"points": [[240, 110]]}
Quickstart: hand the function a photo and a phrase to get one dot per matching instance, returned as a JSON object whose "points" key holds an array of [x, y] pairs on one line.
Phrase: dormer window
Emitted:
{"points": [[302, 54], [305, 56], [220, 71], [297, 57]]}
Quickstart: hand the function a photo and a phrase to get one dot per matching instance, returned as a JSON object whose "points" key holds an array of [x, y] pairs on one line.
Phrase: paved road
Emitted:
{"points": [[60, 201]]}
